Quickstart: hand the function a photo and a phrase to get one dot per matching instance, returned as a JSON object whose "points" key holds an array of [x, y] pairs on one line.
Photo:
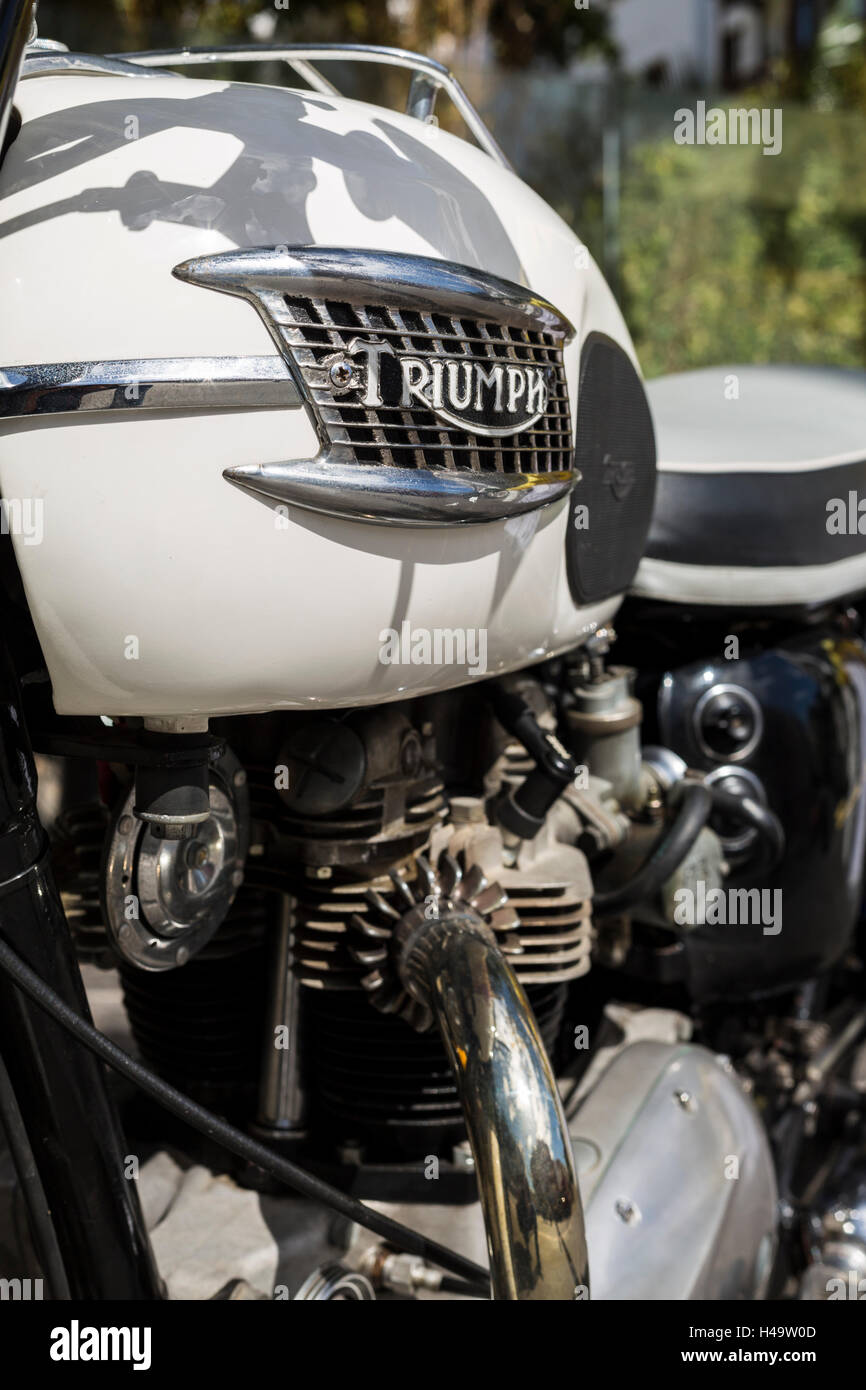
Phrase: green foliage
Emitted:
{"points": [[728, 256]]}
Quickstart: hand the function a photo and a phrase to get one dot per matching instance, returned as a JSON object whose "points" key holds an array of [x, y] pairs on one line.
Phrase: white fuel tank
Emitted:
{"points": [[158, 586]]}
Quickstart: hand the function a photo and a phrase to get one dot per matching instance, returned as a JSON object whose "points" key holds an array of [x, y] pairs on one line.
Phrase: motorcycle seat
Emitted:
{"points": [[761, 496]]}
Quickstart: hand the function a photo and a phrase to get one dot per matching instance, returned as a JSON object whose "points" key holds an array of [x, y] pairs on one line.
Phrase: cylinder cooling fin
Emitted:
{"points": [[615, 455], [392, 1089], [200, 1026]]}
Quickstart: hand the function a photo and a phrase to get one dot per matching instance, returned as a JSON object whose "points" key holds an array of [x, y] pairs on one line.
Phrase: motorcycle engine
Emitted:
{"points": [[283, 1002], [280, 1004]]}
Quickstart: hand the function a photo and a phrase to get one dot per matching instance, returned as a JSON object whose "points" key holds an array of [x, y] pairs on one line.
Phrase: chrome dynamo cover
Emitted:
{"points": [[165, 899]]}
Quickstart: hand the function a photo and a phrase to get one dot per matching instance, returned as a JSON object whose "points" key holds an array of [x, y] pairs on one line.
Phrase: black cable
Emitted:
{"points": [[760, 818], [234, 1139], [670, 850], [451, 1285], [38, 1211]]}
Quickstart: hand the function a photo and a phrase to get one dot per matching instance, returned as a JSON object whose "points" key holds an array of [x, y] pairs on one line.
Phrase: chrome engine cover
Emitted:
{"points": [[676, 1178]]}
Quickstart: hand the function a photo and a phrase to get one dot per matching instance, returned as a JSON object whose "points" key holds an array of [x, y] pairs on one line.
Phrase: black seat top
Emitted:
{"points": [[761, 471]]}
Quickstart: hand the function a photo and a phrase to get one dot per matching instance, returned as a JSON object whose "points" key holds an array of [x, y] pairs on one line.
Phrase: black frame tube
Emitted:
{"points": [[61, 1090], [16, 19]]}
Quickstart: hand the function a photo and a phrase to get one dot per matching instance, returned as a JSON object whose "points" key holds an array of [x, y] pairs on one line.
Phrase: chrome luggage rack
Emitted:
{"points": [[429, 77]]}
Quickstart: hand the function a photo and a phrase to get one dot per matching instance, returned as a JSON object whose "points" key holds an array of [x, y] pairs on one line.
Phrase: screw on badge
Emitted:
{"points": [[342, 373]]}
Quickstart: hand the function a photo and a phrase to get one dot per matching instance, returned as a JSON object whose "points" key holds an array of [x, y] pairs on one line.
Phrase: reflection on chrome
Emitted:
{"points": [[517, 1130]]}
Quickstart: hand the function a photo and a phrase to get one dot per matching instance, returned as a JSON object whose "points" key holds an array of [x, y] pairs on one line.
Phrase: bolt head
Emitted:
{"points": [[342, 375]]}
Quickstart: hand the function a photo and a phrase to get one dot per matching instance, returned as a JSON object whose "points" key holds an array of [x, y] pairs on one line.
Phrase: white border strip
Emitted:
{"points": [[782, 466], [749, 586]]}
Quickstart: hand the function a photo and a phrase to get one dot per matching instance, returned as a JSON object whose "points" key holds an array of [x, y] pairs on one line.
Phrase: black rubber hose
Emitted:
{"points": [[524, 809], [38, 1211], [234, 1139], [451, 1285], [759, 817], [670, 850]]}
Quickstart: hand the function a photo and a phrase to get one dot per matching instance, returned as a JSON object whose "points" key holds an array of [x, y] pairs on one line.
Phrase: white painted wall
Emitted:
{"points": [[684, 34], [746, 23]]}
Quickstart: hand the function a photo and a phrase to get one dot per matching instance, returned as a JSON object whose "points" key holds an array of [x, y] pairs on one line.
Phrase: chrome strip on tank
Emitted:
{"points": [[170, 383]]}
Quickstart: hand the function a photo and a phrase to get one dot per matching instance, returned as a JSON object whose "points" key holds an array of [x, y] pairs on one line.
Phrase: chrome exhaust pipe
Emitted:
{"points": [[517, 1129]]}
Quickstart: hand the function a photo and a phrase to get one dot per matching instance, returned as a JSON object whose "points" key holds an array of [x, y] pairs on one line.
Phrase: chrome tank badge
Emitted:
{"points": [[496, 399], [438, 393]]}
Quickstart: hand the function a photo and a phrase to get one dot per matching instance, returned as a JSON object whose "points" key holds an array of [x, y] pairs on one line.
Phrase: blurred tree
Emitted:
{"points": [[96, 25], [721, 264], [839, 78], [524, 30], [519, 31]]}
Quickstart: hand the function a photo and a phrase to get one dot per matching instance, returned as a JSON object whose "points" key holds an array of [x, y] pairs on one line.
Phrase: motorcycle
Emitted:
{"points": [[514, 947]]}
